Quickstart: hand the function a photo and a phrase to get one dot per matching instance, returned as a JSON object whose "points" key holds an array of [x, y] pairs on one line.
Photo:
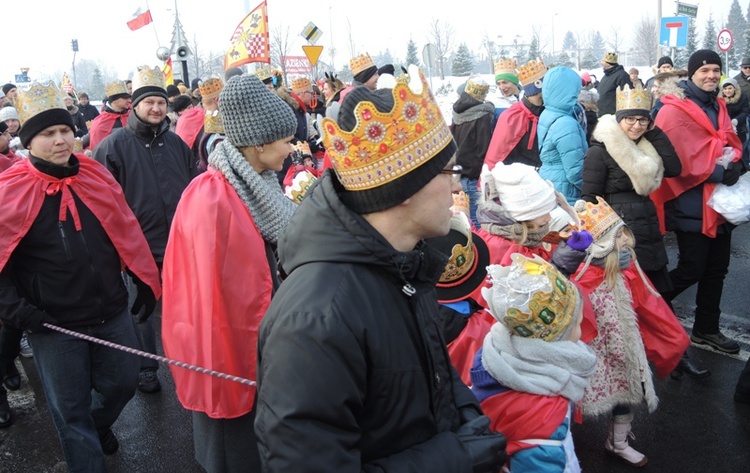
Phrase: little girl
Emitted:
{"points": [[635, 326]]}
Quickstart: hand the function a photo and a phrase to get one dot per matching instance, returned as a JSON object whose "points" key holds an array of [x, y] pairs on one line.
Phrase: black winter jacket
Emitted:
{"points": [[739, 109], [613, 164], [614, 78], [88, 111], [79, 122], [472, 130], [153, 169], [353, 374], [72, 276]]}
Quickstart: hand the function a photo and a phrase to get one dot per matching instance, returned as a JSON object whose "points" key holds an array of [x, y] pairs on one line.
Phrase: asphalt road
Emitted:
{"points": [[697, 427]]}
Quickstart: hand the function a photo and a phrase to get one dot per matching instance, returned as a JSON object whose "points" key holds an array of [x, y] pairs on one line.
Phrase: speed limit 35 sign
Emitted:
{"points": [[725, 40]]}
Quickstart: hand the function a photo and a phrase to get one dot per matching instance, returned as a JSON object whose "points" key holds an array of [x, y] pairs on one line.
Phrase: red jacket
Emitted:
{"points": [[189, 125]]}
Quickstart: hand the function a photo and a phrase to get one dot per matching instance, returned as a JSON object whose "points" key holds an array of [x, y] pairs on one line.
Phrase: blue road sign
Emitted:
{"points": [[674, 31]]}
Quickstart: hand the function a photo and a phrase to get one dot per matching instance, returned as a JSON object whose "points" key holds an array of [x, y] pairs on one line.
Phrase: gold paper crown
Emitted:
{"points": [[597, 218], [610, 58], [39, 98], [462, 256], [115, 88], [147, 77], [384, 146], [532, 71], [536, 301], [302, 147], [637, 98], [301, 84], [477, 89], [360, 63], [505, 66], [300, 186], [210, 87], [212, 122], [263, 73], [460, 203]]}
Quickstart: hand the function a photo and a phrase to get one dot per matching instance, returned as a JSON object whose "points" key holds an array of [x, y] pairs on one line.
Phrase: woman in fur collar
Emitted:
{"points": [[626, 162], [737, 106]]}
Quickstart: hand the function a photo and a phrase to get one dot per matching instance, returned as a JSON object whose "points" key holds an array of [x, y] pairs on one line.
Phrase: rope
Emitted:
{"points": [[161, 359]]}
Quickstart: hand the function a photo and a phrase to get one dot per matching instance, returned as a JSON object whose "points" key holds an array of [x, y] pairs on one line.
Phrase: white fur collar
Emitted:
{"points": [[640, 161]]}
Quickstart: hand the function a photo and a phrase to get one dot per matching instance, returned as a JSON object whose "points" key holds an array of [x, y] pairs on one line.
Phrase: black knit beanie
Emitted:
{"points": [[148, 91], [365, 75], [181, 102], [172, 91], [3, 127], [35, 124], [8, 87], [394, 192], [700, 58], [664, 60]]}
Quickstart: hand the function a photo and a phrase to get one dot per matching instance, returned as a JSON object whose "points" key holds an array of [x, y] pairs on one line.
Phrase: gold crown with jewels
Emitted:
{"points": [[597, 218], [385, 146], [115, 88], [462, 255], [211, 87], [532, 71], [636, 98], [460, 203], [477, 88], [212, 122], [360, 63], [505, 66], [263, 73], [300, 186], [37, 99], [148, 77], [610, 58], [300, 84]]}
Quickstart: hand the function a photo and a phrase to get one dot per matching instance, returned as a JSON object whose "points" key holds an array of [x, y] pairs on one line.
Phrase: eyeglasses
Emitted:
{"points": [[745, 67], [454, 172], [630, 121]]}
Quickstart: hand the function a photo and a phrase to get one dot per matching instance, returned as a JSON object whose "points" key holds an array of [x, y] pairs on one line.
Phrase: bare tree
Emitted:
{"points": [[616, 40], [442, 37], [645, 39], [280, 47], [204, 65], [350, 37], [489, 47]]}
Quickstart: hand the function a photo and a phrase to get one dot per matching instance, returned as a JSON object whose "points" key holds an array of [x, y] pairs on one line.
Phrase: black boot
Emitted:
{"points": [[685, 366], [12, 378], [6, 416]]}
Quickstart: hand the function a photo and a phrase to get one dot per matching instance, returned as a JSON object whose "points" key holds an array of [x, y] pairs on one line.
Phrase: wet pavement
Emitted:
{"points": [[697, 427]]}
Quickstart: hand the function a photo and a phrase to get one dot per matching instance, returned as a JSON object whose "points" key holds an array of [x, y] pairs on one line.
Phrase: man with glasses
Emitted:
{"points": [[699, 127], [743, 78]]}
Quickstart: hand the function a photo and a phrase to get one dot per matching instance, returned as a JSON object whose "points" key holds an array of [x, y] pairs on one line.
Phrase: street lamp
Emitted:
{"points": [[553, 37]]}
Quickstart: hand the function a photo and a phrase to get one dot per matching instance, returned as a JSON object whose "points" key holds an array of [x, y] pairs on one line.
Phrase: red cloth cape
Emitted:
{"points": [[23, 189], [463, 349], [8, 159], [189, 125], [102, 126], [698, 145], [663, 336], [217, 286], [521, 416], [512, 125]]}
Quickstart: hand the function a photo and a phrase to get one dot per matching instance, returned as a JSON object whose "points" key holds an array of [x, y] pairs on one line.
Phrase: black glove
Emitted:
{"points": [[145, 301], [35, 322], [732, 174], [487, 448], [469, 413]]}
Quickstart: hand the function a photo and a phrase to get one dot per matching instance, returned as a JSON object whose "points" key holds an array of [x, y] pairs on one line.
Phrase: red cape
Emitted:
{"points": [[8, 159], [663, 336], [103, 124], [521, 416], [23, 189], [698, 145], [217, 286], [463, 349], [189, 125], [512, 125]]}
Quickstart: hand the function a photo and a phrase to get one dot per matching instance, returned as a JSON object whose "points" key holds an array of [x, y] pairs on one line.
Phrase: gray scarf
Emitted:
{"points": [[531, 365], [261, 193]]}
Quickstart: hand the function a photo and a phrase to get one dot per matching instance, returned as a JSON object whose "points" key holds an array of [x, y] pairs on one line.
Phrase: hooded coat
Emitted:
{"points": [[472, 130], [562, 140], [353, 373]]}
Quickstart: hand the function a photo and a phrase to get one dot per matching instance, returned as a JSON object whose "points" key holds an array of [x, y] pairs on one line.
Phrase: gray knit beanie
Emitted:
{"points": [[253, 115]]}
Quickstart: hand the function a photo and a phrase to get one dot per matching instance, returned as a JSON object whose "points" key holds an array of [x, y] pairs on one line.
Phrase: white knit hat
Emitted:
{"points": [[8, 113], [522, 192]]}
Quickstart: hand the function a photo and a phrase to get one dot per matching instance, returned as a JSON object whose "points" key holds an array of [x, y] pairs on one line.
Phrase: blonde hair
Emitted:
{"points": [[612, 260]]}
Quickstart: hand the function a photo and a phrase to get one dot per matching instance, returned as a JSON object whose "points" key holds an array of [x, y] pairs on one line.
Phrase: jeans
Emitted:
{"points": [[87, 385], [144, 330], [472, 191], [705, 261]]}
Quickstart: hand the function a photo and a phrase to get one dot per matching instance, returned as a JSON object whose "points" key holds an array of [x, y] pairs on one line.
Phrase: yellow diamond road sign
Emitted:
{"points": [[311, 33], [312, 53]]}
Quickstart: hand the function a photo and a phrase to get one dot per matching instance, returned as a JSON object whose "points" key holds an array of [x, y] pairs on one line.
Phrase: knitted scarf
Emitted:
{"points": [[261, 193], [535, 366]]}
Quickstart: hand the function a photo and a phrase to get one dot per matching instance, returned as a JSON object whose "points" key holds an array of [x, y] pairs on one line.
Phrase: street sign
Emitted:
{"points": [[687, 10], [429, 55], [725, 40], [312, 52], [674, 31], [297, 65], [311, 33]]}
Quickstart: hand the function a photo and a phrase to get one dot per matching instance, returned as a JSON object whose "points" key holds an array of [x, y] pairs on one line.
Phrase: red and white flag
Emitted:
{"points": [[140, 19]]}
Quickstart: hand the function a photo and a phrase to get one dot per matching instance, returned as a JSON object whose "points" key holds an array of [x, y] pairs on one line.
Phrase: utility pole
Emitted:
{"points": [[74, 46], [180, 46]]}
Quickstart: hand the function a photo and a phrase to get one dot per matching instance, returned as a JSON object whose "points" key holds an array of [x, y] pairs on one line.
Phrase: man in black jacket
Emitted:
{"points": [[614, 78], [153, 165], [353, 372]]}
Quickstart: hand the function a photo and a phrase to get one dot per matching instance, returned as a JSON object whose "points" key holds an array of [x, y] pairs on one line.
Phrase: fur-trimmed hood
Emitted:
{"points": [[670, 87], [734, 98], [640, 160]]}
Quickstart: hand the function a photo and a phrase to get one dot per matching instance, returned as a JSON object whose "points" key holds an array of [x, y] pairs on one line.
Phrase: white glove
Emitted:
{"points": [[734, 124], [15, 143], [726, 157]]}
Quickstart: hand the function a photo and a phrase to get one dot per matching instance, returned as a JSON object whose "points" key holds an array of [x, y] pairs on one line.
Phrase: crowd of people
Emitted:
{"points": [[406, 293]]}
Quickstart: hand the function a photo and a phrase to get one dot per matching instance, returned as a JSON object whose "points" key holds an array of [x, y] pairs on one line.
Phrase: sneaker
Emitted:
{"points": [[717, 341], [109, 442], [148, 382], [26, 350]]}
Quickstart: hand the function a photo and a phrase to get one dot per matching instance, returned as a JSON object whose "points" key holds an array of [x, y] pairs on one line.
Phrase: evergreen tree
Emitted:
{"points": [[383, 58], [737, 24], [710, 34], [96, 89], [598, 46], [569, 42], [412, 55], [746, 50], [563, 59], [534, 52], [463, 63]]}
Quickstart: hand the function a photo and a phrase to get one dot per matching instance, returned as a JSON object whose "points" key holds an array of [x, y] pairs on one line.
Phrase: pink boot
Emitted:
{"points": [[617, 442]]}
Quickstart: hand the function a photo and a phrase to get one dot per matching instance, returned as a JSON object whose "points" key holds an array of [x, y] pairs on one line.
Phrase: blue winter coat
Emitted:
{"points": [[562, 140]]}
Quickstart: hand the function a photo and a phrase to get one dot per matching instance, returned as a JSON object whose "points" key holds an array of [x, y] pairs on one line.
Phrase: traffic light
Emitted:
{"points": [[74, 45]]}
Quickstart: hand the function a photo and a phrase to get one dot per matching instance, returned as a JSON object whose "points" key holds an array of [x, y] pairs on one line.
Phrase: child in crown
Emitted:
{"points": [[635, 326], [532, 367]]}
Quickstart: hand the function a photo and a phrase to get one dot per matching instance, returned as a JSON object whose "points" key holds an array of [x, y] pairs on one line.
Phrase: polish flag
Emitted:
{"points": [[140, 19]]}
